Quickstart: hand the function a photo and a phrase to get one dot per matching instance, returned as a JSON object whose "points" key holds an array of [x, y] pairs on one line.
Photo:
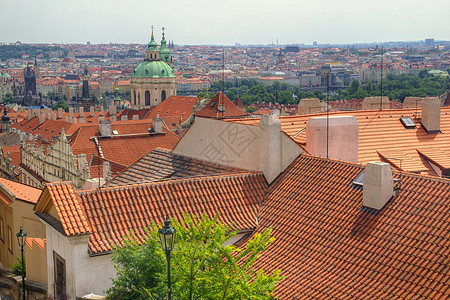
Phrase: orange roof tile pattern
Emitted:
{"points": [[129, 149], [69, 208], [174, 110], [114, 213], [162, 164], [21, 191], [120, 148], [381, 133], [329, 247], [212, 109]]}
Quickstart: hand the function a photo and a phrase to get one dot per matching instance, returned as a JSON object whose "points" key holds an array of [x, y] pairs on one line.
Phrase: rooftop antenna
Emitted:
{"points": [[328, 91], [223, 82], [381, 80]]}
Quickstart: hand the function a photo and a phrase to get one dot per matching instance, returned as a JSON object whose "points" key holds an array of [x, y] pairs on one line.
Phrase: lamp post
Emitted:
{"points": [[21, 237], [167, 238]]}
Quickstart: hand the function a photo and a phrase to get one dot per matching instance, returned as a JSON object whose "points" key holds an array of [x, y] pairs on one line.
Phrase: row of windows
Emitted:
{"points": [[2, 235], [147, 98]]}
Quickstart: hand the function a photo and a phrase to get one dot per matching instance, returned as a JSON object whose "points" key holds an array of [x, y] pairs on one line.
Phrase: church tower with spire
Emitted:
{"points": [[153, 80]]}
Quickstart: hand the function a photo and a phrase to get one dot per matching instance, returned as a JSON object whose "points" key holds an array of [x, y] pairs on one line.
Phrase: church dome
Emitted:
{"points": [[153, 69]]}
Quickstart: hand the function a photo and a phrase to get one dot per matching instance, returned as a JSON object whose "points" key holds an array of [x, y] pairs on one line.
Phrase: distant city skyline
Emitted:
{"points": [[224, 22]]}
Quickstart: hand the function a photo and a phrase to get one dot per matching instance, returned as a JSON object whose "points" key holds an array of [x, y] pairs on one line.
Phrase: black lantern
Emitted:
{"points": [[167, 238], [21, 237]]}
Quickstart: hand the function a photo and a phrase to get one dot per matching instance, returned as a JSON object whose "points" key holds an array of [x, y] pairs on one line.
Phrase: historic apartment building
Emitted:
{"points": [[55, 163]]}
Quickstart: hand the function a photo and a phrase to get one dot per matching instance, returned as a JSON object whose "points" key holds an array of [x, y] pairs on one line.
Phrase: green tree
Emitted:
{"points": [[8, 98], [61, 104], [201, 267], [231, 95]]}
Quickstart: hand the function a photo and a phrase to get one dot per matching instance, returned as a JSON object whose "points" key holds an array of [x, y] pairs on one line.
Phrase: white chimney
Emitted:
{"points": [[30, 114], [157, 124], [81, 111], [42, 118], [342, 141], [104, 128], [71, 112], [431, 115], [91, 111], [309, 106], [66, 119], [82, 161], [106, 170], [135, 117], [271, 154], [113, 119], [102, 111], [124, 118], [60, 113], [378, 186], [112, 110], [74, 120]]}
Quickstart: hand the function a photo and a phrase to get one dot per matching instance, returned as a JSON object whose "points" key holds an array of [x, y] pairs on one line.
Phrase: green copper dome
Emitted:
{"points": [[153, 69]]}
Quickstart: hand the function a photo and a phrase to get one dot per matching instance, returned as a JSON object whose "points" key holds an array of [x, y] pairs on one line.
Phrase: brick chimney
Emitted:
{"points": [[431, 115], [378, 186], [342, 137]]}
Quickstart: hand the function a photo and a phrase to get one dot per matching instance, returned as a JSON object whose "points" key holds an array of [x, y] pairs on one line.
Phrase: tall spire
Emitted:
{"points": [[164, 52]]}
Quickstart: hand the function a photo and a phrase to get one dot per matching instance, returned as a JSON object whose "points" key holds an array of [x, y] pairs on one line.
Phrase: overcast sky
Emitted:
{"points": [[224, 21]]}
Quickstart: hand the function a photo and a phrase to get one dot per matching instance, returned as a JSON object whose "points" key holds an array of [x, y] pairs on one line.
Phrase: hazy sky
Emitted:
{"points": [[224, 21]]}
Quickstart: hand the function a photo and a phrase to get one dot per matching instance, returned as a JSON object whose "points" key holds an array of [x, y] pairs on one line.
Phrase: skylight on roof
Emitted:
{"points": [[115, 132], [359, 180], [408, 122]]}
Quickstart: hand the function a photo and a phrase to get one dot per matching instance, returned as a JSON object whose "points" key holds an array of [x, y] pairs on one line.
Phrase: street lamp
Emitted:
{"points": [[167, 238], [21, 237]]}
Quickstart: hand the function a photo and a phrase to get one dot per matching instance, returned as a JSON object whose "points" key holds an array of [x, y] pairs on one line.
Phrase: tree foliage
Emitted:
{"points": [[201, 267]]}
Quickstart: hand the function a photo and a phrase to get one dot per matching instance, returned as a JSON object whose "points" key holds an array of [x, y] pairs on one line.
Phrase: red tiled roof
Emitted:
{"points": [[113, 213], [382, 134], [21, 191], [329, 247], [68, 206], [211, 110], [173, 110], [14, 151], [122, 149]]}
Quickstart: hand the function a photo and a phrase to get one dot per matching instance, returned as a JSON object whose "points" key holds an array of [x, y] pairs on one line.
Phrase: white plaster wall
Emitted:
{"points": [[258, 148], [93, 273], [61, 245]]}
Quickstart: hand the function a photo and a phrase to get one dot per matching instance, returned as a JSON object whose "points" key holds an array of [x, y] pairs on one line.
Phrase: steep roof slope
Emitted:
{"points": [[329, 247], [162, 164], [221, 107], [112, 213]]}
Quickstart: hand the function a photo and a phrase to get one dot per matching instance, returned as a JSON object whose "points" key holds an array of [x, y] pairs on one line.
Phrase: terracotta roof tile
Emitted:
{"points": [[67, 204], [111, 213], [382, 134], [21, 191], [328, 246], [211, 110]]}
